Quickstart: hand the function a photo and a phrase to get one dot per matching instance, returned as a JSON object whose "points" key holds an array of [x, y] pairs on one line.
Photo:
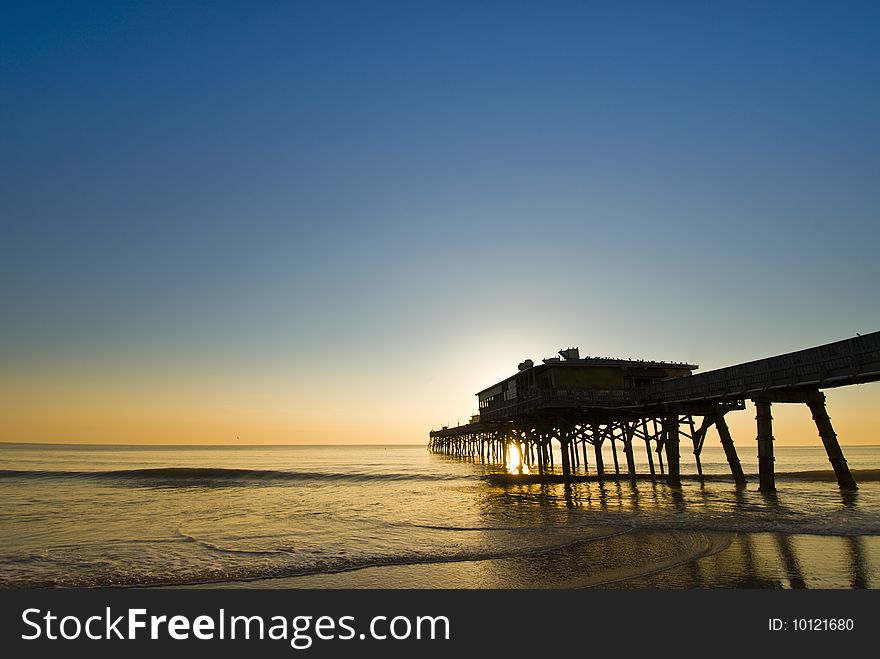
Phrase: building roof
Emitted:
{"points": [[597, 361]]}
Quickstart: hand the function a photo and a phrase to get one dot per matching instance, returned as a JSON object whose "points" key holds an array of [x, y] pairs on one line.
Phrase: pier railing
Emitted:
{"points": [[851, 361]]}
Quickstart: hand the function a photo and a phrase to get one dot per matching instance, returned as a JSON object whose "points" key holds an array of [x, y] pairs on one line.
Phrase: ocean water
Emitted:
{"points": [[400, 516]]}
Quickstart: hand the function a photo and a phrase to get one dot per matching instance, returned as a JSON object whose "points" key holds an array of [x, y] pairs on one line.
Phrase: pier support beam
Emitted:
{"points": [[670, 430], [583, 441], [730, 451], [629, 433], [698, 437], [564, 451], [614, 452], [648, 445], [832, 447], [659, 435], [597, 447], [538, 440], [766, 473]]}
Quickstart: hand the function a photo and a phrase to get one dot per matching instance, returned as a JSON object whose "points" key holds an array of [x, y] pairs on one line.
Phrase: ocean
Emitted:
{"points": [[399, 517]]}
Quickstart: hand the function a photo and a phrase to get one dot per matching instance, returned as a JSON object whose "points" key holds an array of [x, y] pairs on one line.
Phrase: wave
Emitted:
{"points": [[701, 544], [243, 572], [190, 537], [219, 476]]}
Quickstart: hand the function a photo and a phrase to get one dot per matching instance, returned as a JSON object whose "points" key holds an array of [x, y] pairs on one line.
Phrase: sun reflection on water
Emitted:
{"points": [[515, 463]]}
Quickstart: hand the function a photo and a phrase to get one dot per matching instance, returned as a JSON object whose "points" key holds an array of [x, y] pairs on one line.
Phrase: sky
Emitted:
{"points": [[334, 222]]}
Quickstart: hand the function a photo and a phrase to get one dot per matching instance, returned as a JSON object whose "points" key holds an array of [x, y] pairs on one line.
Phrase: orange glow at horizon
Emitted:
{"points": [[369, 407]]}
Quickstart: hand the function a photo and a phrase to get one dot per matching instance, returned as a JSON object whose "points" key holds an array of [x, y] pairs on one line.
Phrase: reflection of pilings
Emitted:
{"points": [[567, 492], [789, 559], [858, 562], [832, 447], [766, 475], [749, 563]]}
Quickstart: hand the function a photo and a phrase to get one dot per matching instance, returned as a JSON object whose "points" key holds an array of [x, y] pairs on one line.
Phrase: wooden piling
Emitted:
{"points": [[614, 453], [671, 440], [766, 474], [584, 452], [542, 467], [832, 447], [597, 447], [564, 454], [648, 446], [730, 450], [628, 450]]}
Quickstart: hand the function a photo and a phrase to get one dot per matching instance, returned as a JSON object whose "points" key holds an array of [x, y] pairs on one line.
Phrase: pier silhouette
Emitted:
{"points": [[585, 401]]}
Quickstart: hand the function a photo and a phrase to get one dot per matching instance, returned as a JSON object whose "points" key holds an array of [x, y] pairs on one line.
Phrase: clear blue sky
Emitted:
{"points": [[315, 220]]}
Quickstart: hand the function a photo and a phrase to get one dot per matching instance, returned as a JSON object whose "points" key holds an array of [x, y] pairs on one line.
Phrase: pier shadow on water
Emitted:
{"points": [[641, 534]]}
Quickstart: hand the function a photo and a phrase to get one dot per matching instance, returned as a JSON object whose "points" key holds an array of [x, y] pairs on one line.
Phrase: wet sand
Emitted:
{"points": [[637, 559]]}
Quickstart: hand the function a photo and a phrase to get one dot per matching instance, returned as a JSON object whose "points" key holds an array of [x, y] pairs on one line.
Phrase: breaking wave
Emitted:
{"points": [[210, 475]]}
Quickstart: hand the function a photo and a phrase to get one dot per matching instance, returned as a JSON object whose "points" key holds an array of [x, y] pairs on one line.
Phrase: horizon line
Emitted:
{"points": [[18, 443], [116, 445]]}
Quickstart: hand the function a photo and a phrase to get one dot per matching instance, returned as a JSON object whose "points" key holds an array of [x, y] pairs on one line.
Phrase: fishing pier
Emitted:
{"points": [[581, 402]]}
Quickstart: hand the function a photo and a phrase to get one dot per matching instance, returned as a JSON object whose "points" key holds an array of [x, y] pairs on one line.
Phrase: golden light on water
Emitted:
{"points": [[514, 461]]}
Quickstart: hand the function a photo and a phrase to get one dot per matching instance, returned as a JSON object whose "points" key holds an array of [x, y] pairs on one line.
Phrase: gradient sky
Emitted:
{"points": [[310, 222]]}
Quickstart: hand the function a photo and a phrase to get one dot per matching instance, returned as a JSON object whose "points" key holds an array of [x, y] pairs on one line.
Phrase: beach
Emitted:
{"points": [[638, 559]]}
